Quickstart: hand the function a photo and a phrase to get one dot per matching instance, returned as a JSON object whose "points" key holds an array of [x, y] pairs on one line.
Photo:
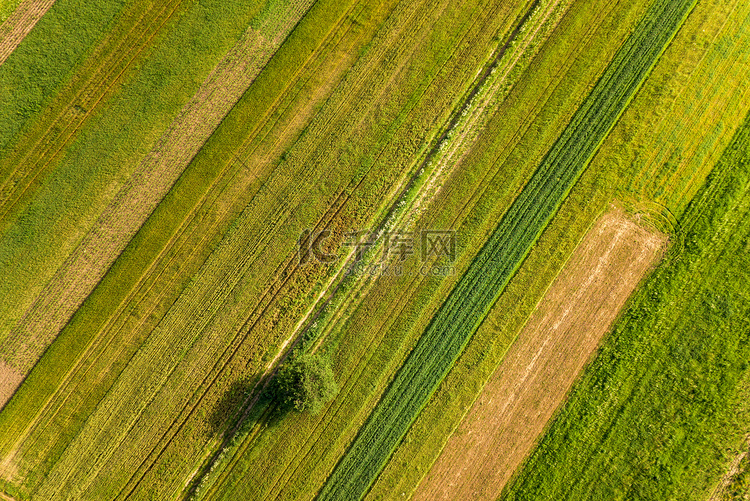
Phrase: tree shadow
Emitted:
{"points": [[229, 407]]}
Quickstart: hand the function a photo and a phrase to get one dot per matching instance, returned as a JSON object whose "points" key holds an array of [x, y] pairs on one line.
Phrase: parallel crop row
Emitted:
{"points": [[493, 267]]}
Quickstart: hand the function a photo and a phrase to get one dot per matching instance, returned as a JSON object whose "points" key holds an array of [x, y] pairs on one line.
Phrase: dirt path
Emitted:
{"points": [[88, 263], [20, 23], [507, 418]]}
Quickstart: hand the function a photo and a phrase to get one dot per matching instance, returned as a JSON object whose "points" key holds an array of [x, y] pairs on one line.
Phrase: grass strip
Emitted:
{"points": [[7, 7], [45, 59]]}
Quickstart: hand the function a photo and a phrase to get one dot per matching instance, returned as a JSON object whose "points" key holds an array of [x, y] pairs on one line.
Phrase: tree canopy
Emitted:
{"points": [[304, 383]]}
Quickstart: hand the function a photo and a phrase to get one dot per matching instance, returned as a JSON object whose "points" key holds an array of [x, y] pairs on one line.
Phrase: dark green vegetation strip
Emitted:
{"points": [[662, 403], [493, 267], [44, 60]]}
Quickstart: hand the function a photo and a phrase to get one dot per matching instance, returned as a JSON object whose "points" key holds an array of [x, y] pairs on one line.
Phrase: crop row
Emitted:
{"points": [[503, 253], [32, 153]]}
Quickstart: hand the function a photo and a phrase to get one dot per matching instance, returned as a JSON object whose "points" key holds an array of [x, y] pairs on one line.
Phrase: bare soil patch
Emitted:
{"points": [[20, 23], [9, 381], [513, 409]]}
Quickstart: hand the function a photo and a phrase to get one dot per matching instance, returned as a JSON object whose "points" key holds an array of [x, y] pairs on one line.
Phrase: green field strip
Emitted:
{"points": [[664, 403], [171, 212], [272, 452], [437, 349], [108, 151], [41, 219], [593, 192], [685, 115], [32, 156], [39, 67]]}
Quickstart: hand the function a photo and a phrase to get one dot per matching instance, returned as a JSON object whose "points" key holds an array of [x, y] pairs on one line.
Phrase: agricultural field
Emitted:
{"points": [[374, 249]]}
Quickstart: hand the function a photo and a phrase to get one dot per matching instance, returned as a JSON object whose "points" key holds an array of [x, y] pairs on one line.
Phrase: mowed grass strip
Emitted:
{"points": [[296, 455], [477, 290], [664, 405]]}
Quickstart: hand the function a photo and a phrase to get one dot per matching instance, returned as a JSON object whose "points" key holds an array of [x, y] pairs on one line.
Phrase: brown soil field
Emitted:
{"points": [[158, 171], [9, 380], [513, 409], [20, 23]]}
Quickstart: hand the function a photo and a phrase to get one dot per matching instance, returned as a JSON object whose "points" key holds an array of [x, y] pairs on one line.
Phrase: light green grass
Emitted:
{"points": [[46, 58], [7, 7]]}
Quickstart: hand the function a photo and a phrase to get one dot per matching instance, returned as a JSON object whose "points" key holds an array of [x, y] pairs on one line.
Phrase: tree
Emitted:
{"points": [[304, 383]]}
